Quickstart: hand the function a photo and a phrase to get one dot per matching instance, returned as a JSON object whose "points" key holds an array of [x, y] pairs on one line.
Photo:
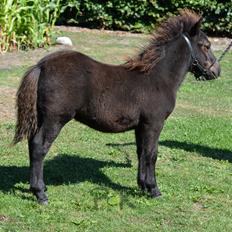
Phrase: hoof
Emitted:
{"points": [[155, 193], [42, 198], [43, 202]]}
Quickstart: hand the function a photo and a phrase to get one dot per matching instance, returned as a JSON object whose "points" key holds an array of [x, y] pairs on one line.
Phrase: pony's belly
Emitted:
{"points": [[110, 125]]}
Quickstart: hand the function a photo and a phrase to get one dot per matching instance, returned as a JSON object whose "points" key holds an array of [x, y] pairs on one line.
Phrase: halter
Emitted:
{"points": [[200, 72]]}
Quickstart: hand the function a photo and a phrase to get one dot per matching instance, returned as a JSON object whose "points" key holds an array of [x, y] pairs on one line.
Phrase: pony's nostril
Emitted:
{"points": [[215, 69]]}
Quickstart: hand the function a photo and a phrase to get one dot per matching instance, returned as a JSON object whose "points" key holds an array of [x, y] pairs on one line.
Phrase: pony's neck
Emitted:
{"points": [[172, 69]]}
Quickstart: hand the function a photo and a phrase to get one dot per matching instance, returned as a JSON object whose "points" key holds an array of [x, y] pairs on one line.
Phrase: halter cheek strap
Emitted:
{"points": [[188, 43], [198, 70]]}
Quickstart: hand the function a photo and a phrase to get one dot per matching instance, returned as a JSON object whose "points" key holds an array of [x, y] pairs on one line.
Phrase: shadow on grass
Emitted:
{"points": [[64, 169], [214, 153]]}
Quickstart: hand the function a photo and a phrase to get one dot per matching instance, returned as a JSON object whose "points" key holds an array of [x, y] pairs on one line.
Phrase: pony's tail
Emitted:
{"points": [[26, 104]]}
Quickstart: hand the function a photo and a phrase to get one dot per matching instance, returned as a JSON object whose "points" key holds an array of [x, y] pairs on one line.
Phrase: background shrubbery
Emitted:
{"points": [[28, 23], [141, 15]]}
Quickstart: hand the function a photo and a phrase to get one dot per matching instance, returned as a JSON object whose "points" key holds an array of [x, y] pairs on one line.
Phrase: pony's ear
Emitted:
{"points": [[196, 28]]}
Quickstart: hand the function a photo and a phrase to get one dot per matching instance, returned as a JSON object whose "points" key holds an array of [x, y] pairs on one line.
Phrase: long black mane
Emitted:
{"points": [[168, 30]]}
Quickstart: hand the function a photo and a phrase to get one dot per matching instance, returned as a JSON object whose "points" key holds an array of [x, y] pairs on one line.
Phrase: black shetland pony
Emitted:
{"points": [[137, 95]]}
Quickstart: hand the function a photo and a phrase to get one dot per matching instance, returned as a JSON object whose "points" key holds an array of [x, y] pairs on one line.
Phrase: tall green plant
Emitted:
{"points": [[27, 23]]}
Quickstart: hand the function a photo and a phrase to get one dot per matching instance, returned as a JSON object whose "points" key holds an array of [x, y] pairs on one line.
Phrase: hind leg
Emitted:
{"points": [[39, 145]]}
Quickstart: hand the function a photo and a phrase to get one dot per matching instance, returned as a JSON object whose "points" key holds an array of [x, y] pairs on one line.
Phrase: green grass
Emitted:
{"points": [[91, 176]]}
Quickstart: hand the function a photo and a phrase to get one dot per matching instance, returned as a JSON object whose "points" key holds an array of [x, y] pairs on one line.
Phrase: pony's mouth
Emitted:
{"points": [[202, 73], [205, 76]]}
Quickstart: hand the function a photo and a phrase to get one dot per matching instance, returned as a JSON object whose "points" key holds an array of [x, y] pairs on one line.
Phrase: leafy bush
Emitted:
{"points": [[141, 15], [217, 13], [27, 23]]}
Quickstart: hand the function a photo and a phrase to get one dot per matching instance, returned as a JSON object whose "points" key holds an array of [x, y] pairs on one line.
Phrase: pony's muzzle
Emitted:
{"points": [[215, 69]]}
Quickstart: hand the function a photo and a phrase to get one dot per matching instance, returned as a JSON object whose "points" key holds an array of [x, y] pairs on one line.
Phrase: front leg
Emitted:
{"points": [[147, 136]]}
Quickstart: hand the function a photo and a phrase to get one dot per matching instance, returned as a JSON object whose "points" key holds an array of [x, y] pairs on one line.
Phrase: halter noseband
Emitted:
{"points": [[200, 72]]}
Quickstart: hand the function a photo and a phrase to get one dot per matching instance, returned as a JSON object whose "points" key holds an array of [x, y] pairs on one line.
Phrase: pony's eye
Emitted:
{"points": [[204, 46]]}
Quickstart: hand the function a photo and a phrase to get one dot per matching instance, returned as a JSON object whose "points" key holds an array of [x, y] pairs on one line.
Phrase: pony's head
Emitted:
{"points": [[203, 63]]}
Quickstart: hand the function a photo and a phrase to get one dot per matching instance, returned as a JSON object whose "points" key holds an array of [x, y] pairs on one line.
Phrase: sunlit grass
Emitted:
{"points": [[91, 176]]}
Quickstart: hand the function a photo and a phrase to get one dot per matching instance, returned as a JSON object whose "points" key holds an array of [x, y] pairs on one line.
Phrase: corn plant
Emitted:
{"points": [[27, 23]]}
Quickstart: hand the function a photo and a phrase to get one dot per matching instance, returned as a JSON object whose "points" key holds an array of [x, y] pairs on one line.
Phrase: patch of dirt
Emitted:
{"points": [[218, 43], [82, 29], [25, 58], [198, 206], [4, 218], [7, 103]]}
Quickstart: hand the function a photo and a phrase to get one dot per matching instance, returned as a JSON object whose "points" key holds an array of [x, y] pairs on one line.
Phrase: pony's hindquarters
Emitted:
{"points": [[40, 131], [26, 104]]}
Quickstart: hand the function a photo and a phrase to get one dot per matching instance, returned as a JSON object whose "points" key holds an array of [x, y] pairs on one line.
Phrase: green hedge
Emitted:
{"points": [[142, 15]]}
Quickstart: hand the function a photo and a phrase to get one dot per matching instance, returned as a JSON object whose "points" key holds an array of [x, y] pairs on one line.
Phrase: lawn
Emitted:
{"points": [[91, 176]]}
